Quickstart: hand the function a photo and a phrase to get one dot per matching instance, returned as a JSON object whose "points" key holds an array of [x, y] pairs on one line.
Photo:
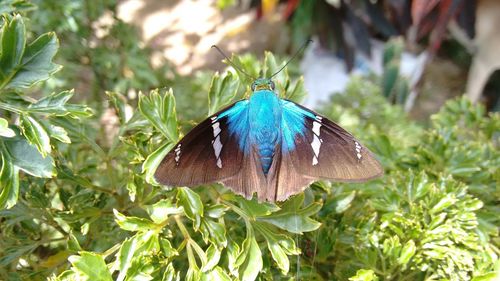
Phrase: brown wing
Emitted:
{"points": [[208, 153]]}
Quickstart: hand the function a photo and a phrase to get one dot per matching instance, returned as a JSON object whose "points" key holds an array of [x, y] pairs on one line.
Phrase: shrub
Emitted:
{"points": [[77, 205]]}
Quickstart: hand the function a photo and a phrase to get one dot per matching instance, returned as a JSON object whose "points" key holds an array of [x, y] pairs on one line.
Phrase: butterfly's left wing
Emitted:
{"points": [[319, 148], [210, 152]]}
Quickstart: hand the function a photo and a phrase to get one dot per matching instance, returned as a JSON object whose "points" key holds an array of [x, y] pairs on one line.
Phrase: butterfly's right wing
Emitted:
{"points": [[324, 150]]}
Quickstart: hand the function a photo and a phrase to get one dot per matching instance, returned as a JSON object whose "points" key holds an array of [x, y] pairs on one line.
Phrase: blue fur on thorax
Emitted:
{"points": [[292, 123], [263, 121], [265, 125], [237, 121]]}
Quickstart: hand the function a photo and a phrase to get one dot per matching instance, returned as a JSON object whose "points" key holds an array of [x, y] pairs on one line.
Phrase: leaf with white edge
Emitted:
{"points": [[36, 64], [216, 274], [90, 266], [191, 202], [339, 204], [280, 246], [5, 131], [298, 93], [133, 223], [27, 158], [159, 109], [167, 249], [170, 274], [292, 218], [13, 42], [73, 244], [213, 257], [233, 252], [9, 182], [407, 252], [213, 231], [222, 91], [58, 133], [249, 261], [56, 104], [364, 275], [12, 6], [160, 211], [216, 211], [153, 160], [256, 209], [36, 134], [125, 257]]}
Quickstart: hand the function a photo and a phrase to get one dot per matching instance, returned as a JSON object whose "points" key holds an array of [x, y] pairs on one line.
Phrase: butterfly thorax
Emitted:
{"points": [[265, 121]]}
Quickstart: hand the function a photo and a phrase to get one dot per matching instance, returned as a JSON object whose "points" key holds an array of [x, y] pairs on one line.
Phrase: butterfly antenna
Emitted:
{"points": [[232, 63], [293, 57]]}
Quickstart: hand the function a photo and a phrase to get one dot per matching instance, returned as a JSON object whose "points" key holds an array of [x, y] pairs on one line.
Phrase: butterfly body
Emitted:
{"points": [[269, 146]]}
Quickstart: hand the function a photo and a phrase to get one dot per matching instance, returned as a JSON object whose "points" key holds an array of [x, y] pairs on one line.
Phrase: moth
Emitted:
{"points": [[268, 146]]}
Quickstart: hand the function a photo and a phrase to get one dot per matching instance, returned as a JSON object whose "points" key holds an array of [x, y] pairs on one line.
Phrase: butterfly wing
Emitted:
{"points": [[210, 152], [319, 148]]}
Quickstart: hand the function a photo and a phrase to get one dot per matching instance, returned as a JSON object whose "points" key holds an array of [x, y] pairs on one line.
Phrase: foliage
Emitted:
{"points": [[347, 26], [79, 202]]}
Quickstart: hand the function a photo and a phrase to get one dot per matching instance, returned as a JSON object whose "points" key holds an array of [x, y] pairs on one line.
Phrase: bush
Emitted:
{"points": [[79, 204]]}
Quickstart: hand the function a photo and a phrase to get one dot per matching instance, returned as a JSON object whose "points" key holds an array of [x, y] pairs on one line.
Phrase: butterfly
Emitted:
{"points": [[266, 145]]}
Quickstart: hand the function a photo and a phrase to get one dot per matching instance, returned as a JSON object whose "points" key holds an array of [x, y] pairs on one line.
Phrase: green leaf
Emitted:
{"points": [[444, 203], [167, 249], [73, 244], [56, 104], [160, 211], [125, 257], [222, 91], [279, 245], [213, 257], [216, 211], [5, 131], [153, 161], [11, 6], [159, 109], [90, 266], [339, 203], [191, 202], [35, 133], [9, 183], [13, 41], [256, 209], [58, 133], [298, 93], [292, 218], [214, 231], [36, 64], [216, 274], [28, 158], [133, 223], [249, 261], [407, 252], [364, 275]]}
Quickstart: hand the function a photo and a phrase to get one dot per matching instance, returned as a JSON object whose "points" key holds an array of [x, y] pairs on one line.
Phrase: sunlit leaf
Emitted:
{"points": [[90, 266]]}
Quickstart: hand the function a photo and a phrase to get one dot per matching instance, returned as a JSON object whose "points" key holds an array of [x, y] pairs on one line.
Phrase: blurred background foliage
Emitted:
{"points": [[78, 201]]}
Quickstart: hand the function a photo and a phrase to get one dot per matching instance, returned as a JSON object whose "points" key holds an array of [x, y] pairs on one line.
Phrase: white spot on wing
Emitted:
{"points": [[177, 154], [316, 127], [216, 128], [358, 150], [216, 144], [315, 160], [316, 142]]}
